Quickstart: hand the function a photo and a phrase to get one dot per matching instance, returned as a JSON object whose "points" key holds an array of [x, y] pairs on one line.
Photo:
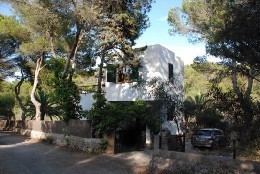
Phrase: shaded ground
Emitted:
{"points": [[19, 154], [224, 152]]}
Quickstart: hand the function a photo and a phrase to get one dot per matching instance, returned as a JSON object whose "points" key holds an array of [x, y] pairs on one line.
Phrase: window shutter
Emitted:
{"points": [[169, 114], [135, 73], [111, 73], [170, 71]]}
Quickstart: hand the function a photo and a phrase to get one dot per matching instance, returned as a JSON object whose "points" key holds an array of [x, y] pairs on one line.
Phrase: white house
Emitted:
{"points": [[155, 62]]}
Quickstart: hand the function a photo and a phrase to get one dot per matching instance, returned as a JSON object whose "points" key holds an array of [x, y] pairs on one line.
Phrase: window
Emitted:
{"points": [[170, 114], [122, 73], [170, 67], [111, 73]]}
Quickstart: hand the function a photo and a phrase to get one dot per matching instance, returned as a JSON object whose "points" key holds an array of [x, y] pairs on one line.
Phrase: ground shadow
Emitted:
{"points": [[18, 154]]}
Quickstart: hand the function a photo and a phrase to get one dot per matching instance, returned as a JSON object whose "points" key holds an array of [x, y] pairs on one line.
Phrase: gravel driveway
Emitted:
{"points": [[20, 154]]}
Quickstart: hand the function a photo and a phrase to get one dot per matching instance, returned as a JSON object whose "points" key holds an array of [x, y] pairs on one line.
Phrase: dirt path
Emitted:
{"points": [[19, 154]]}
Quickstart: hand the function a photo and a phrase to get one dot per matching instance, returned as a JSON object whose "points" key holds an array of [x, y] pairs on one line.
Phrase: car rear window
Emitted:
{"points": [[218, 132], [203, 132]]}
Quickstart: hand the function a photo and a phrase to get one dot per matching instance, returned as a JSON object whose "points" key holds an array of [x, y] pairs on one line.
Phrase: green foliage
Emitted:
{"points": [[7, 103], [72, 30], [251, 151], [55, 66], [199, 112], [6, 87], [8, 45], [11, 28], [198, 77], [7, 99], [39, 26], [105, 117], [168, 96], [193, 106], [231, 31], [195, 83], [238, 37], [124, 21], [119, 25], [142, 110], [63, 94], [213, 83], [209, 118], [48, 109], [103, 144], [231, 107], [67, 95]]}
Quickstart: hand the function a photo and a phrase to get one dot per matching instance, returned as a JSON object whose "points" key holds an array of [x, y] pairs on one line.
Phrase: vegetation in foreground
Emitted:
{"points": [[250, 151]]}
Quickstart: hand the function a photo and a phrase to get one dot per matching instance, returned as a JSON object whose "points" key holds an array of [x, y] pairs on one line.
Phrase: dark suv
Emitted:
{"points": [[208, 137]]}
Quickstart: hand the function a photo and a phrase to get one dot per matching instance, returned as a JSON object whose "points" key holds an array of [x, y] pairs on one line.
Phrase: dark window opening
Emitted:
{"points": [[111, 73], [170, 66], [122, 74], [169, 115]]}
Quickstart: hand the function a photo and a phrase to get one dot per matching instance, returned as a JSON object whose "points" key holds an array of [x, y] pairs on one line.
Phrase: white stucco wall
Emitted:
{"points": [[154, 64]]}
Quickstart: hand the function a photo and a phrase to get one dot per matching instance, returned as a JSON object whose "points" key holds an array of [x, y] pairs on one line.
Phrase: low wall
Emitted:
{"points": [[189, 163], [76, 134], [80, 128], [75, 142]]}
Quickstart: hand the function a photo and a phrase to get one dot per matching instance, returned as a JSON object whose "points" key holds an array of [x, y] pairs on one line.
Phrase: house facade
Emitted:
{"points": [[155, 61]]}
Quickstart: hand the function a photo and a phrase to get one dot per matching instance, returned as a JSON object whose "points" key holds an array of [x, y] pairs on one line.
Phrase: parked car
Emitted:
{"points": [[208, 137]]}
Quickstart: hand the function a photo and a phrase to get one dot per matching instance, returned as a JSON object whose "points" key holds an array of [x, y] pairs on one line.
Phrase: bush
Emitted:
{"points": [[252, 150], [7, 103]]}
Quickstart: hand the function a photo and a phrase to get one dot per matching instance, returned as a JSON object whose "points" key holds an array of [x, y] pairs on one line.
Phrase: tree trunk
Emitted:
{"points": [[35, 83], [245, 102], [17, 93], [52, 45], [100, 73], [72, 57]]}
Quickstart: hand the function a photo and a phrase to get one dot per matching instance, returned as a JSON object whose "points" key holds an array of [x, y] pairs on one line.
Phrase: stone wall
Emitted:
{"points": [[75, 142], [80, 128], [76, 134], [166, 162]]}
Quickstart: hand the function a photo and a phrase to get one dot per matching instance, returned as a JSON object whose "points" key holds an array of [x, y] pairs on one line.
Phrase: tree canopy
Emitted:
{"points": [[60, 38], [229, 28]]}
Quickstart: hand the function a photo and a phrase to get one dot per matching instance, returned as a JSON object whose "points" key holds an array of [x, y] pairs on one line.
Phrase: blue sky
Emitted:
{"points": [[157, 33], [5, 9]]}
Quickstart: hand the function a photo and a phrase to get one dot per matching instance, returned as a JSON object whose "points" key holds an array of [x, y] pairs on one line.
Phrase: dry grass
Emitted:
{"points": [[251, 151]]}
